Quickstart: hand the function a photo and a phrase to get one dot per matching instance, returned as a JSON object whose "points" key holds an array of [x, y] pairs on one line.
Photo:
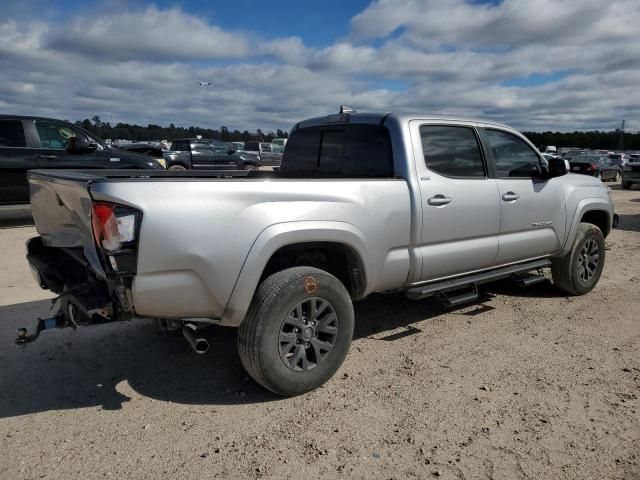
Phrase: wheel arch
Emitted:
{"points": [[275, 249], [597, 211]]}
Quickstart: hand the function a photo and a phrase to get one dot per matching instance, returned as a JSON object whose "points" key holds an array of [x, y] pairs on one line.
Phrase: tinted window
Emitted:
{"points": [[12, 134], [344, 150], [202, 146], [54, 135], [251, 146], [452, 151], [513, 157]]}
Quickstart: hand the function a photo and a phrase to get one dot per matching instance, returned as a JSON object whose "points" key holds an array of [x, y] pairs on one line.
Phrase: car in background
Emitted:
{"points": [[631, 174], [144, 148], [207, 154], [573, 153], [619, 159], [280, 141], [598, 166], [238, 145], [36, 142], [268, 156]]}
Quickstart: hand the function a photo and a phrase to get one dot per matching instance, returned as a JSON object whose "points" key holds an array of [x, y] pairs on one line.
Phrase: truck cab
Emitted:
{"points": [[27, 143]]}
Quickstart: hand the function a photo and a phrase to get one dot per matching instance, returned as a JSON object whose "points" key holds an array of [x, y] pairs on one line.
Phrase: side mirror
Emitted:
{"points": [[558, 167], [81, 144]]}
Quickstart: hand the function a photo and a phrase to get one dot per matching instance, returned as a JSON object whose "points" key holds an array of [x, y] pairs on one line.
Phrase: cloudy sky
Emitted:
{"points": [[535, 64]]}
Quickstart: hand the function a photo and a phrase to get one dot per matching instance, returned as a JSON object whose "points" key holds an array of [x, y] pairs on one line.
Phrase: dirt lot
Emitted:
{"points": [[526, 384]]}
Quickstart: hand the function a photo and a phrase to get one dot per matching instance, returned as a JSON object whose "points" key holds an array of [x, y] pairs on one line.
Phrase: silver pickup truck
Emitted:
{"points": [[363, 203]]}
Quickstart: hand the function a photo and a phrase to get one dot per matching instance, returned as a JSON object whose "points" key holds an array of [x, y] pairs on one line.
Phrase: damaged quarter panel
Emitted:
{"points": [[195, 237]]}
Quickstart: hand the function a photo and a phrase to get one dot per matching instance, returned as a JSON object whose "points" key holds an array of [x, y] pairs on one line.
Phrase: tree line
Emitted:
{"points": [[597, 139], [126, 131]]}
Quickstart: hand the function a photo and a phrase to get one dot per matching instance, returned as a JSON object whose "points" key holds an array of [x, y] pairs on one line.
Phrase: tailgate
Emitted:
{"points": [[61, 208]]}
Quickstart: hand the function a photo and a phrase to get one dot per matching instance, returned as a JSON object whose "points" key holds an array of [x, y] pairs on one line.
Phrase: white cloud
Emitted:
{"points": [[445, 57]]}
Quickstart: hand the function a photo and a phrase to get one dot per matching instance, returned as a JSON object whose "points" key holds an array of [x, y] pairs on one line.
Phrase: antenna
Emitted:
{"points": [[347, 109]]}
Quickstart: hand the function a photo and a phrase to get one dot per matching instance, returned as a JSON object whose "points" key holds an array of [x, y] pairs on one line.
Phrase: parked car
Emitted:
{"points": [[619, 159], [206, 154], [574, 153], [35, 142], [631, 174], [282, 142], [144, 148], [362, 203], [268, 157], [597, 166]]}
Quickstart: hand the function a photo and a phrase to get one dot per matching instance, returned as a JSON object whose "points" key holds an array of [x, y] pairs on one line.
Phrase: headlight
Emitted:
{"points": [[162, 162]]}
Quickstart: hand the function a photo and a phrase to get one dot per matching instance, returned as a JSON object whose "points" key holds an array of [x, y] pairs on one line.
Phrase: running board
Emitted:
{"points": [[475, 279], [452, 298]]}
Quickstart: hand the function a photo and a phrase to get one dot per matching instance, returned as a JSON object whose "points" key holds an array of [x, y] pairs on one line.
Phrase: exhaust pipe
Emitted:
{"points": [[199, 344]]}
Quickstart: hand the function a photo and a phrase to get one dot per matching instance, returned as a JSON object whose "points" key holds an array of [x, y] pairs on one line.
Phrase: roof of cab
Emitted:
{"points": [[380, 117]]}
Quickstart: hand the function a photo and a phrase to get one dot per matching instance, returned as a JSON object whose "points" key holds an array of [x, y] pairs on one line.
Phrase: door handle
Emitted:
{"points": [[48, 157], [439, 200], [510, 197]]}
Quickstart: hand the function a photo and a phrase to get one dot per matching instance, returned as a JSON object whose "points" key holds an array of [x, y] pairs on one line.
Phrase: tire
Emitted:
{"points": [[177, 167], [569, 273], [249, 167], [268, 331], [626, 185]]}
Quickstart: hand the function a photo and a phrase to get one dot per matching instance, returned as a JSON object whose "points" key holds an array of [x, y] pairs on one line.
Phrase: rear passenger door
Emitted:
{"points": [[202, 155], [532, 207], [460, 202], [15, 159]]}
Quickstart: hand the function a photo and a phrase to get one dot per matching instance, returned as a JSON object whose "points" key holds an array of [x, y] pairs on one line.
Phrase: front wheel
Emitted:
{"points": [[579, 270], [177, 167], [251, 168], [297, 331]]}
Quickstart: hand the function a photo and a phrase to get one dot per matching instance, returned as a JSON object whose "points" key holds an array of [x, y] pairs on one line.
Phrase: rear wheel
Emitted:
{"points": [[298, 330], [579, 270], [177, 167], [626, 185], [250, 167]]}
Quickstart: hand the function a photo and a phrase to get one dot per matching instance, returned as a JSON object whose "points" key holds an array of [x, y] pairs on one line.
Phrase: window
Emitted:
{"points": [[12, 134], [452, 151], [203, 147], [265, 147], [350, 150], [513, 157], [54, 135]]}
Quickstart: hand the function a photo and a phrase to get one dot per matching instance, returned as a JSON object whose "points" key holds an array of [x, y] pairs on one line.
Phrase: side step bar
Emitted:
{"points": [[519, 272]]}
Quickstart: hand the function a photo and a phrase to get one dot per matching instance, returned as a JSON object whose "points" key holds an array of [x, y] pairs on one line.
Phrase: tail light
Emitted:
{"points": [[114, 226], [591, 167]]}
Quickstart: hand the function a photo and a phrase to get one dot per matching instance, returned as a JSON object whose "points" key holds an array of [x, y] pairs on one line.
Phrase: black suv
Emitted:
{"points": [[34, 142]]}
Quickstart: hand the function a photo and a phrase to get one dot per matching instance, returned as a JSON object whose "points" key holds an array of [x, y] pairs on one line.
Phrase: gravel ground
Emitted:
{"points": [[525, 384]]}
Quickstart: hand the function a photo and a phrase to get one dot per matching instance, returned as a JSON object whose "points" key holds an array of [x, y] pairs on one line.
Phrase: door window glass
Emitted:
{"points": [[54, 135], [452, 151], [203, 147], [514, 158], [12, 134]]}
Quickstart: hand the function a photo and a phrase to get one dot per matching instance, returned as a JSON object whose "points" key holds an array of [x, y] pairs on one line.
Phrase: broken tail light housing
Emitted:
{"points": [[114, 226]]}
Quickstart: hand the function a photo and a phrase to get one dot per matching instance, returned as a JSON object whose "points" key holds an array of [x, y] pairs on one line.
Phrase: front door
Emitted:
{"points": [[15, 160], [460, 203], [533, 209], [53, 141]]}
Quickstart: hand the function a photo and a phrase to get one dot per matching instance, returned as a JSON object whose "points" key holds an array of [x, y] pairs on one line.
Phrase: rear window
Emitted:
{"points": [[339, 150], [12, 134]]}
